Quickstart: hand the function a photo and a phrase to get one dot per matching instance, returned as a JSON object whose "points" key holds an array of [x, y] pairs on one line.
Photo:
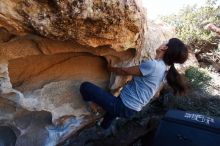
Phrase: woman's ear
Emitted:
{"points": [[164, 48]]}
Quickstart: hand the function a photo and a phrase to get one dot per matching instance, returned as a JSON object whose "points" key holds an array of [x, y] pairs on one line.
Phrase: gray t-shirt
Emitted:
{"points": [[137, 92]]}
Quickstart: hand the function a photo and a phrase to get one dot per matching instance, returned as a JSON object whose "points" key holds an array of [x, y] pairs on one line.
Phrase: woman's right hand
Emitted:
{"points": [[109, 66]]}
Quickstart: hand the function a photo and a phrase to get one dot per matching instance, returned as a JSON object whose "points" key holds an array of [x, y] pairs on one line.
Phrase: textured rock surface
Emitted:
{"points": [[90, 22], [48, 48]]}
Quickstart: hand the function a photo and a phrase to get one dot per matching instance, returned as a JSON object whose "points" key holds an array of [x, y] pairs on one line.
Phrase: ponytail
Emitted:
{"points": [[175, 80], [177, 52]]}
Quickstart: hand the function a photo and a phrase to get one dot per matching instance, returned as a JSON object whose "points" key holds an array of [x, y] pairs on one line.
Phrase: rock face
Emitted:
{"points": [[48, 48], [89, 22]]}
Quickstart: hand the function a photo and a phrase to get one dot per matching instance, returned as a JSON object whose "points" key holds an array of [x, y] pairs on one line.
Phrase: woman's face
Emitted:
{"points": [[162, 48]]}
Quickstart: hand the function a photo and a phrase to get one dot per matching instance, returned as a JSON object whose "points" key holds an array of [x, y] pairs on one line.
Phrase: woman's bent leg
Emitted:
{"points": [[91, 92], [112, 105]]}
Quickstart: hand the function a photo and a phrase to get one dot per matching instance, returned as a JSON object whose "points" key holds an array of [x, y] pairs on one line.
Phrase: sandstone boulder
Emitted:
{"points": [[48, 48]]}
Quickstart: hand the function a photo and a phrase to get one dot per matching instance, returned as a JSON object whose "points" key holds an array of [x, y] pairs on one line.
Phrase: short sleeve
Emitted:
{"points": [[147, 67]]}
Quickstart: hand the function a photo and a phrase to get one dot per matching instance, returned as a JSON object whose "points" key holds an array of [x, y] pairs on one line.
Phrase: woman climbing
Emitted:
{"points": [[147, 78]]}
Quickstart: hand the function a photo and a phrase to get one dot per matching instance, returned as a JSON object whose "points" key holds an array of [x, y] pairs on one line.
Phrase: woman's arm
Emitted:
{"points": [[134, 70]]}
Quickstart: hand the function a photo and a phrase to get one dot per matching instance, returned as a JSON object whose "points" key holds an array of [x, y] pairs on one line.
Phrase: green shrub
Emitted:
{"points": [[198, 78], [190, 20]]}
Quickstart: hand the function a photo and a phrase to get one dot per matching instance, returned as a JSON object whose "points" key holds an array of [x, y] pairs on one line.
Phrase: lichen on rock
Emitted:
{"points": [[93, 23]]}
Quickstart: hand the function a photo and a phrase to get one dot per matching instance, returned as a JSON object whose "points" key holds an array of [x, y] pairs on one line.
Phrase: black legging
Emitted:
{"points": [[113, 106]]}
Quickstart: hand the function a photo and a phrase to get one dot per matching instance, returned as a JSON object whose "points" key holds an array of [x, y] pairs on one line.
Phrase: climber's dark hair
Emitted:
{"points": [[177, 52]]}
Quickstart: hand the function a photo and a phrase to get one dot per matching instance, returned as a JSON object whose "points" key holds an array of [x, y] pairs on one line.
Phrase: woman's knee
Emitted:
{"points": [[84, 86]]}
